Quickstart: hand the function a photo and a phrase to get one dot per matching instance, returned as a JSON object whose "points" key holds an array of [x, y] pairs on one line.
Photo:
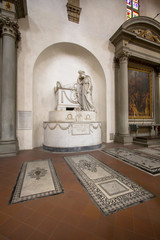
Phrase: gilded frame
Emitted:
{"points": [[140, 92]]}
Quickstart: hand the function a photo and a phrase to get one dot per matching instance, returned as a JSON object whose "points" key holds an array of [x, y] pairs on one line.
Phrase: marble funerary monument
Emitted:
{"points": [[73, 126]]}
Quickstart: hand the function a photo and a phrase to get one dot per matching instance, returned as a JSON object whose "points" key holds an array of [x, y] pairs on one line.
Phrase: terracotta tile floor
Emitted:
{"points": [[72, 215]]}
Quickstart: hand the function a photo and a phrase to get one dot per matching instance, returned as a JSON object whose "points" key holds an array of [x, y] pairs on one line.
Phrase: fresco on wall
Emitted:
{"points": [[140, 94]]}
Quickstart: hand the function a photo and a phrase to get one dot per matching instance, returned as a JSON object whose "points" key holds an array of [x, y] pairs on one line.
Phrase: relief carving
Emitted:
{"points": [[147, 34]]}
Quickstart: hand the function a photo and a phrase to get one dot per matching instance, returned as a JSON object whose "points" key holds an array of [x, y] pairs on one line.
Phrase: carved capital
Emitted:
{"points": [[8, 27], [123, 57]]}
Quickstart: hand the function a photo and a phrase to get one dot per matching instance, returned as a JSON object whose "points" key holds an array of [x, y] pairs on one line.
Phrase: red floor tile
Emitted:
{"points": [[73, 215]]}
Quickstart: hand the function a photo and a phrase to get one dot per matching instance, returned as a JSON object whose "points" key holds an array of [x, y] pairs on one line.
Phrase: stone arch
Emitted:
{"points": [[61, 62]]}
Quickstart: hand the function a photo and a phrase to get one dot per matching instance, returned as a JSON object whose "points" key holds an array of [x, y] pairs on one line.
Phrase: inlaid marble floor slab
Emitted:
{"points": [[36, 179], [110, 190], [142, 161]]}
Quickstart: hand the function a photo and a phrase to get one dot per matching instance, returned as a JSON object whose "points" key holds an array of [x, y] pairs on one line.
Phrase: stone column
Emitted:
{"points": [[116, 65], [123, 126], [158, 97], [10, 36], [0, 81]]}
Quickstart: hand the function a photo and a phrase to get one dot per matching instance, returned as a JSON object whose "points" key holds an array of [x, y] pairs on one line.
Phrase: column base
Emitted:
{"points": [[8, 148], [125, 139]]}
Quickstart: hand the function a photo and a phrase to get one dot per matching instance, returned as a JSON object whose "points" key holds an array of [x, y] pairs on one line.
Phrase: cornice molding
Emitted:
{"points": [[21, 8], [139, 29], [140, 37]]}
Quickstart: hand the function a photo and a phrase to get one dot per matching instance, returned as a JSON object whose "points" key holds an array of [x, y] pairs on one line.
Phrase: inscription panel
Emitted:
{"points": [[80, 129]]}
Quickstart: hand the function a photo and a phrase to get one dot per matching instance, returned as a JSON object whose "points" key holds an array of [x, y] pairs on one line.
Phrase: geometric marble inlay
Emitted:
{"points": [[110, 190], [114, 188]]}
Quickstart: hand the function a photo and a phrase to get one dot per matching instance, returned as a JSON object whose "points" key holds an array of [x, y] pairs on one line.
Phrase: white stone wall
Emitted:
{"points": [[54, 49], [150, 8]]}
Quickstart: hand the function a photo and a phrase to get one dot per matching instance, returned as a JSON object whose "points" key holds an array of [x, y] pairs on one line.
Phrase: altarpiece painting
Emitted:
{"points": [[140, 93]]}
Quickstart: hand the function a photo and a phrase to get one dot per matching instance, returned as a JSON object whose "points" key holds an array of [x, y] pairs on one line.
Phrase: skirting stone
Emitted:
{"points": [[123, 139], [8, 148], [72, 149]]}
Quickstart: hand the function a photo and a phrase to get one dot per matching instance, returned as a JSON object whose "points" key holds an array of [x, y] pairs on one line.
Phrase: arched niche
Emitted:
{"points": [[137, 49], [61, 62]]}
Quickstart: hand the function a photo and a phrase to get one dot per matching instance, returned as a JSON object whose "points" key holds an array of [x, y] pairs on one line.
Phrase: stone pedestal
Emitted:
{"points": [[72, 131], [71, 136]]}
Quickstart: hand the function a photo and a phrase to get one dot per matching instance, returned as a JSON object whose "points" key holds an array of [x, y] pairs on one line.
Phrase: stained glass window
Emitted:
{"points": [[132, 8], [128, 3], [135, 4], [129, 13], [135, 14]]}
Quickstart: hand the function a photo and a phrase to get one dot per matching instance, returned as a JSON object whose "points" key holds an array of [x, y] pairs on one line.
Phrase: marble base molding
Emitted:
{"points": [[72, 149], [9, 148], [125, 139]]}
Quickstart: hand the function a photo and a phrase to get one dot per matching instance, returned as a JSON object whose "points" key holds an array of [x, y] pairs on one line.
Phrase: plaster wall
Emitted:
{"points": [[150, 8], [38, 67]]}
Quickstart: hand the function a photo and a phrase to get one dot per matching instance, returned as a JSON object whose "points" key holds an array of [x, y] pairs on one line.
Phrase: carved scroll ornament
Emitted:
{"points": [[147, 34], [123, 56], [9, 27]]}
